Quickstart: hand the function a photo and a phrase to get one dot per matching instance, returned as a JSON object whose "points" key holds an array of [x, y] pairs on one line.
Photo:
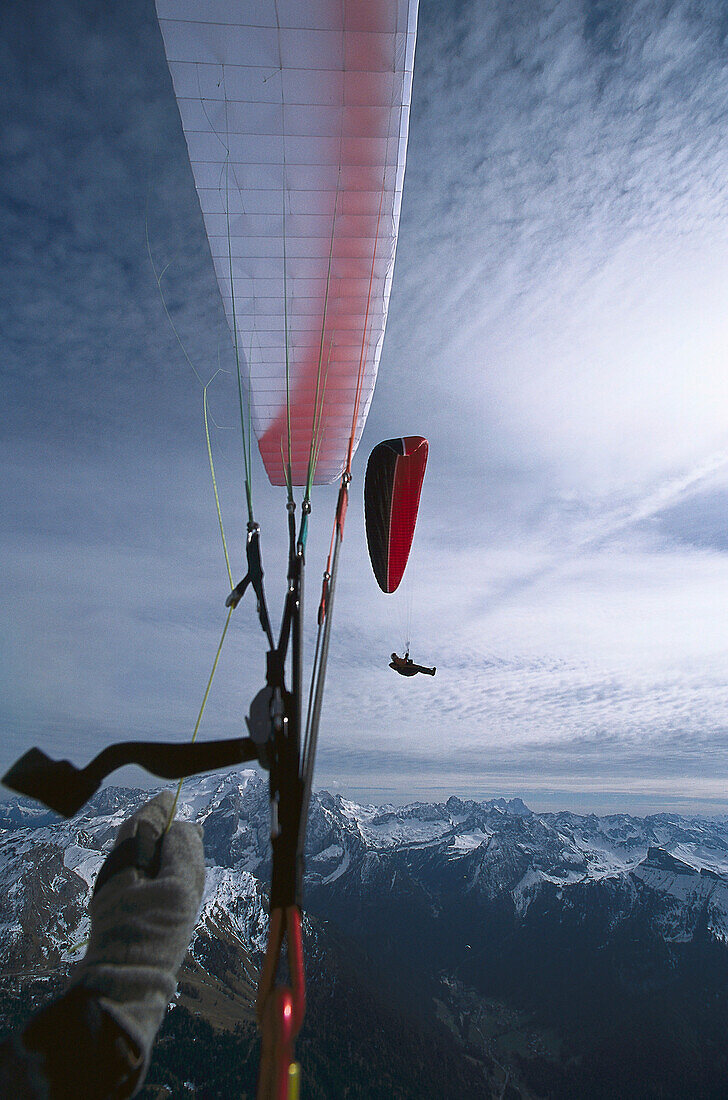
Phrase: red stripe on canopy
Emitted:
{"points": [[296, 118], [409, 474]]}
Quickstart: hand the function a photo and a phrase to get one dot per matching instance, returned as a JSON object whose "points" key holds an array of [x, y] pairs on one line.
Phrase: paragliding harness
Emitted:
{"points": [[274, 724], [405, 666]]}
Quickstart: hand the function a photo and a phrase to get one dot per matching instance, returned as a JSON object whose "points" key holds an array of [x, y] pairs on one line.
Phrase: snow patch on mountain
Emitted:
{"points": [[84, 862], [234, 901], [698, 892], [465, 842], [340, 870]]}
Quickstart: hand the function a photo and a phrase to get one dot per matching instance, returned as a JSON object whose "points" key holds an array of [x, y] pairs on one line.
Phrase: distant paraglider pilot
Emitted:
{"points": [[405, 666]]}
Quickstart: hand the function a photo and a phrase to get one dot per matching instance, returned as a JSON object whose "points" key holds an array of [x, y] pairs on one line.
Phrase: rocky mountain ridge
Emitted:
{"points": [[475, 921], [495, 850]]}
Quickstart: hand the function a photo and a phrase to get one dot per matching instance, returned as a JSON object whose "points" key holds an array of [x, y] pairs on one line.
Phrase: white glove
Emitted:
{"points": [[143, 912]]}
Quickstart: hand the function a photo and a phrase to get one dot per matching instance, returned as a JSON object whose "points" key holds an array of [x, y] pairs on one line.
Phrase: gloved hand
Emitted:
{"points": [[143, 912]]}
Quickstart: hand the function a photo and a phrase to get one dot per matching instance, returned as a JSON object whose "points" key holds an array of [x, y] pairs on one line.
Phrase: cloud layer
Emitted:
{"points": [[557, 330]]}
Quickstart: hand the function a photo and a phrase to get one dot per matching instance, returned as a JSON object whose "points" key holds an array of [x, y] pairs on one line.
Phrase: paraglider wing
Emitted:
{"points": [[392, 488], [296, 118]]}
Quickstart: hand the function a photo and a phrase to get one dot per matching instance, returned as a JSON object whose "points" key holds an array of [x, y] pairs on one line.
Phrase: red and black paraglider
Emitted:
{"points": [[392, 489]]}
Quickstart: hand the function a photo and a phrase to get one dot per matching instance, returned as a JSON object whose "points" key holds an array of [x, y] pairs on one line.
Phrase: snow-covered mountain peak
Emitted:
{"points": [[201, 794], [486, 851]]}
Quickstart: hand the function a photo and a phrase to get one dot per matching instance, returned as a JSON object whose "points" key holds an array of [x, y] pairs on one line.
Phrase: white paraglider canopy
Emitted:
{"points": [[296, 116]]}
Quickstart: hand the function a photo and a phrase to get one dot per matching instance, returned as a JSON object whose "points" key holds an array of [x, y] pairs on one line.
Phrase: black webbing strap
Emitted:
{"points": [[283, 750], [287, 791], [253, 577], [62, 787]]}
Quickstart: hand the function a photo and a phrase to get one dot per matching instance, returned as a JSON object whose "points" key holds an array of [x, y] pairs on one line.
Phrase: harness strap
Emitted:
{"points": [[253, 577]]}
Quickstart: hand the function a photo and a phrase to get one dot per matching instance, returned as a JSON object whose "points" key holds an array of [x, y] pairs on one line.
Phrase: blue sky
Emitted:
{"points": [[557, 330]]}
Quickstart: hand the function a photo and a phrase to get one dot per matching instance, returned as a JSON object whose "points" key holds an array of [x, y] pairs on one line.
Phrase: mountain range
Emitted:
{"points": [[453, 949]]}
